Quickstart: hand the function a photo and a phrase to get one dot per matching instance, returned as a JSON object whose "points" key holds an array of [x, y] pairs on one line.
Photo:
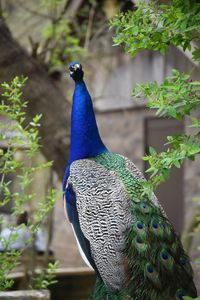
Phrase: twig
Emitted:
{"points": [[34, 12], [54, 21], [1, 9], [72, 8], [188, 233], [49, 220], [98, 32], [3, 173], [90, 23], [64, 10], [34, 46]]}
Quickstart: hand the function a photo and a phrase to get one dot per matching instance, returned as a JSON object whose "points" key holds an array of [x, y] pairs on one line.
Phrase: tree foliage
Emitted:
{"points": [[156, 26], [65, 29], [55, 41], [17, 133], [177, 97]]}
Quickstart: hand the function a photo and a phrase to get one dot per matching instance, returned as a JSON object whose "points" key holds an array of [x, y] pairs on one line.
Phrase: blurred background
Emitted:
{"points": [[38, 39]]}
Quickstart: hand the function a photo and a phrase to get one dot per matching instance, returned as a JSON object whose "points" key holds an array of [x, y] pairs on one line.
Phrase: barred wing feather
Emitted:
{"points": [[104, 215]]}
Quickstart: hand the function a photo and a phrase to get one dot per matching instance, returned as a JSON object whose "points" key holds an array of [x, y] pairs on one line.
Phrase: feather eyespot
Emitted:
{"points": [[139, 240], [167, 260], [145, 207], [183, 260], [155, 225], [179, 295], [164, 255], [150, 269], [157, 228], [140, 228], [139, 225], [151, 273], [140, 245]]}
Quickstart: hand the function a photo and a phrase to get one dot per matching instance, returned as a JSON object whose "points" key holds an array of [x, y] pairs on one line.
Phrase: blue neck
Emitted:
{"points": [[85, 138]]}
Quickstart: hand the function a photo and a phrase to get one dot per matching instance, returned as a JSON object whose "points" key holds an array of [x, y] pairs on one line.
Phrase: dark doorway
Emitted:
{"points": [[170, 193]]}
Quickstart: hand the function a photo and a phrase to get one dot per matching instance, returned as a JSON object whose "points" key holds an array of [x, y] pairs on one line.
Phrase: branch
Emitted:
{"points": [[89, 27], [34, 12], [188, 233], [72, 8]]}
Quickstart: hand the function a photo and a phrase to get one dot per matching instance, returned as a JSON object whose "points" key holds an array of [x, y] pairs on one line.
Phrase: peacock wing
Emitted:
{"points": [[104, 215]]}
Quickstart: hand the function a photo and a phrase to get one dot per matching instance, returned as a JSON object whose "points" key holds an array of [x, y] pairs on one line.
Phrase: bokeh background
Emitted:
{"points": [[38, 39]]}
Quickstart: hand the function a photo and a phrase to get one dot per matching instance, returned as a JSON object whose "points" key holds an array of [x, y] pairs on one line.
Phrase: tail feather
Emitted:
{"points": [[157, 266], [102, 292]]}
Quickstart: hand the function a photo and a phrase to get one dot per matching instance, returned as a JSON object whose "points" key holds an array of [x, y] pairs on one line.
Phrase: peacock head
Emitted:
{"points": [[76, 71]]}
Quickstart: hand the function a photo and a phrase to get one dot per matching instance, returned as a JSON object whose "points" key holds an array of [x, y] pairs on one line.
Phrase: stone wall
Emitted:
{"points": [[25, 295]]}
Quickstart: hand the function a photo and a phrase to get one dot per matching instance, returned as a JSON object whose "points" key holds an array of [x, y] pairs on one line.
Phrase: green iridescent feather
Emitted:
{"points": [[101, 292], [158, 266]]}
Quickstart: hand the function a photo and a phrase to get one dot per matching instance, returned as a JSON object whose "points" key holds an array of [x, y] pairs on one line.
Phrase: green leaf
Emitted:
{"points": [[177, 164], [152, 151], [196, 55]]}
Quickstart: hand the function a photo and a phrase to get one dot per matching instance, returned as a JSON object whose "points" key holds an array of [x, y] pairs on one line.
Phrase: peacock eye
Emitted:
{"points": [[150, 269], [155, 225], [140, 226], [164, 255], [145, 207], [139, 240], [183, 260], [179, 295]]}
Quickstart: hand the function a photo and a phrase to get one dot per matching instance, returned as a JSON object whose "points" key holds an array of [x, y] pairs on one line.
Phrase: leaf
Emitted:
{"points": [[195, 83], [177, 164], [196, 55], [152, 151]]}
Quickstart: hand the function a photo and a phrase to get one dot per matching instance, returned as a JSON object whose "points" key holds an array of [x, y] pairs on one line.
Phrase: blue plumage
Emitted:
{"points": [[85, 138]]}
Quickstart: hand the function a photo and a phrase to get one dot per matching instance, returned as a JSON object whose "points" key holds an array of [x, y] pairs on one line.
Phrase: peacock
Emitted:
{"points": [[121, 234]]}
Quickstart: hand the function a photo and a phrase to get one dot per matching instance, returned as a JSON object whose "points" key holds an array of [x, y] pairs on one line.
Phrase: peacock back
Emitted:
{"points": [[132, 243]]}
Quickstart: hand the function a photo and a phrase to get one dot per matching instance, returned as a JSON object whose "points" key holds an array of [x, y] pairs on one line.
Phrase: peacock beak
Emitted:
{"points": [[77, 66]]}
